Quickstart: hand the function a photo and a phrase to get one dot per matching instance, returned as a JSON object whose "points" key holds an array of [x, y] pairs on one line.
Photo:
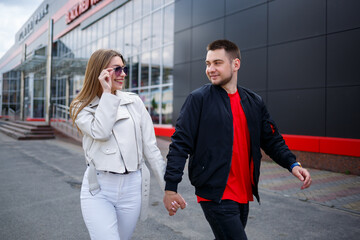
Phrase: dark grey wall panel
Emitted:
{"points": [[252, 73], [182, 15], [247, 28], [308, 77], [182, 75], [236, 5], [263, 95], [177, 104], [203, 35], [198, 75], [294, 19], [343, 112], [207, 10], [343, 58], [343, 15], [298, 64], [298, 111], [182, 47]]}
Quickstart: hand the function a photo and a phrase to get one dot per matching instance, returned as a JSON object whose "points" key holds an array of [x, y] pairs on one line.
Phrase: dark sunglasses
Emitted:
{"points": [[119, 70]]}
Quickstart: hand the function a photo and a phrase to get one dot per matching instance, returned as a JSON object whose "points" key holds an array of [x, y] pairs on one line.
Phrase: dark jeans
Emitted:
{"points": [[227, 219]]}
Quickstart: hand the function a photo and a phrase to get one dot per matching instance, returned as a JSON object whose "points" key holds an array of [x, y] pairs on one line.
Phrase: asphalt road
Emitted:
{"points": [[39, 199]]}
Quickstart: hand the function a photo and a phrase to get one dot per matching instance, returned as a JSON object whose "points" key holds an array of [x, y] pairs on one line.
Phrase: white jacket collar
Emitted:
{"points": [[125, 99], [94, 102]]}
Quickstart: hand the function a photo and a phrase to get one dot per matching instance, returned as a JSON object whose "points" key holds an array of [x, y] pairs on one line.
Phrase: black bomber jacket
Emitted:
{"points": [[204, 133]]}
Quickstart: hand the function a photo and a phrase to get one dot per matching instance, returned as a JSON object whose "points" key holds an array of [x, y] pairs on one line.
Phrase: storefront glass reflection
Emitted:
{"points": [[141, 30]]}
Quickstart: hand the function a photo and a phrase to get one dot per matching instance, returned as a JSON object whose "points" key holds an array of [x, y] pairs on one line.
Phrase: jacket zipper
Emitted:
{"points": [[232, 122], [117, 143]]}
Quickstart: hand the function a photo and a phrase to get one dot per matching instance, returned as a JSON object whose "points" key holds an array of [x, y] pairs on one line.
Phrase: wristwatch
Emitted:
{"points": [[295, 164]]}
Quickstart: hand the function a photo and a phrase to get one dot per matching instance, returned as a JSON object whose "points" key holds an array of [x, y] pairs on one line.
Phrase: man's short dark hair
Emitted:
{"points": [[230, 48]]}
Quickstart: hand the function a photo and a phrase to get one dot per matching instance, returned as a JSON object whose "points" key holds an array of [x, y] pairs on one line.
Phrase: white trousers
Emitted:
{"points": [[112, 214]]}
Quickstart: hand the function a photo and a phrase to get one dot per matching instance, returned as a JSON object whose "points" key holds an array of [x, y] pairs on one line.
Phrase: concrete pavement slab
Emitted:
{"points": [[39, 199]]}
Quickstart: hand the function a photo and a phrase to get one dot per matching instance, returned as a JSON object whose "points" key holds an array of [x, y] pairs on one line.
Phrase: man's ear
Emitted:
{"points": [[237, 64]]}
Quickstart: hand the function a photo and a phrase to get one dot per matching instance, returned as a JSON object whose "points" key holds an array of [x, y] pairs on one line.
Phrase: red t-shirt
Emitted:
{"points": [[238, 187]]}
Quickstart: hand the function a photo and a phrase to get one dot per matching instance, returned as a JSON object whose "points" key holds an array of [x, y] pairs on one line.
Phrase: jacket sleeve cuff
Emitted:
{"points": [[291, 162], [171, 186]]}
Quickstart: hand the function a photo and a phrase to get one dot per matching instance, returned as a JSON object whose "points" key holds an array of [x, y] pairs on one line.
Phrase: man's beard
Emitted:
{"points": [[223, 81]]}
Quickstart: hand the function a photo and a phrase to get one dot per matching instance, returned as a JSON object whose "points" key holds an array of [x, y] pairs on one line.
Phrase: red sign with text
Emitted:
{"points": [[78, 9]]}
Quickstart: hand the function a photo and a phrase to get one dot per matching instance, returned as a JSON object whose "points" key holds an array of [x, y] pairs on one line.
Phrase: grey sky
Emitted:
{"points": [[14, 14]]}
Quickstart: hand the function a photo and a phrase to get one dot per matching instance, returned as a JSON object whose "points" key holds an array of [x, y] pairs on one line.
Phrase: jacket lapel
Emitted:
{"points": [[122, 112], [125, 99]]}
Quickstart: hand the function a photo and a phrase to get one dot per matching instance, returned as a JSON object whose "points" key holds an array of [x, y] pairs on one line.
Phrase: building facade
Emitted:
{"points": [[142, 30], [301, 56]]}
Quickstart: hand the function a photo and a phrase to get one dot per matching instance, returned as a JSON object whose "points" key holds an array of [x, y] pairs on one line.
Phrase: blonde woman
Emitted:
{"points": [[118, 135]]}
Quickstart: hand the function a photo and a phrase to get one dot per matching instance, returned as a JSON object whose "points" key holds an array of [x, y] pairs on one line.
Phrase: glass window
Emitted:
{"points": [[89, 50], [120, 17], [93, 47], [77, 38], [112, 40], [85, 36], [169, 24], [13, 85], [127, 83], [136, 37], [155, 67], [105, 42], [106, 24], [71, 40], [135, 91], [145, 62], [146, 33], [38, 88], [99, 43], [128, 43], [137, 9], [128, 12], [156, 29], [146, 7], [155, 105], [144, 95], [100, 29], [168, 64], [89, 35], [82, 52], [156, 4], [113, 23], [94, 32], [167, 105], [38, 109], [134, 71], [119, 44]]}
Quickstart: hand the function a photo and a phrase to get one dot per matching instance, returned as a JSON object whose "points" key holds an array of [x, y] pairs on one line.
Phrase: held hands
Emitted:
{"points": [[303, 175], [173, 201], [105, 79]]}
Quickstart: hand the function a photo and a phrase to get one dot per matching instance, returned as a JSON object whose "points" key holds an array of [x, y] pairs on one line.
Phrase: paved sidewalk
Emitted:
{"points": [[331, 189], [40, 186]]}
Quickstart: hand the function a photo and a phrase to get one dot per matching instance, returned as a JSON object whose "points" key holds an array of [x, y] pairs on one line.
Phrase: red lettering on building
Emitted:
{"points": [[81, 7]]}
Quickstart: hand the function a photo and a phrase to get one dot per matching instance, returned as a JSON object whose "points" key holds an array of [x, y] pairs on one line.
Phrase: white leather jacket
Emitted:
{"points": [[118, 134]]}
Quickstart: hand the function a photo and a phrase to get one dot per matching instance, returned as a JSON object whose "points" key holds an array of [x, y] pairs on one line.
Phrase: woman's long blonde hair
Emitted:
{"points": [[98, 61]]}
